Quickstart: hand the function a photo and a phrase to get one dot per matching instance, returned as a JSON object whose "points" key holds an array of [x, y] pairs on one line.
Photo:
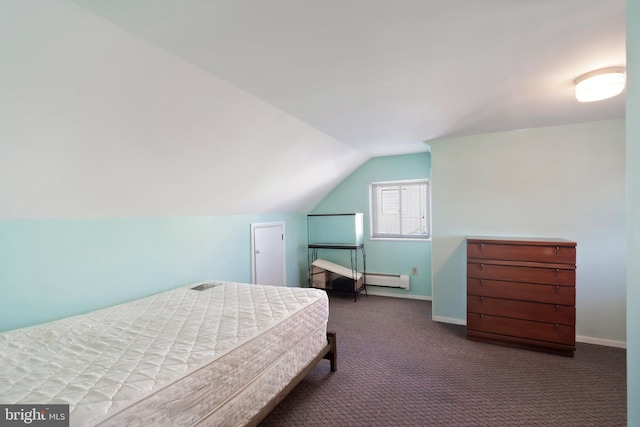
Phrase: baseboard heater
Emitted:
{"points": [[388, 280]]}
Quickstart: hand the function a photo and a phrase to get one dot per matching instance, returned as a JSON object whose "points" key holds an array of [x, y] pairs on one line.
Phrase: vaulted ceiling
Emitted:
{"points": [[385, 76], [207, 107]]}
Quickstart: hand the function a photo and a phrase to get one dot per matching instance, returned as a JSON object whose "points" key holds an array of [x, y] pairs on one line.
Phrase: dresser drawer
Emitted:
{"points": [[555, 254], [550, 332], [551, 294], [511, 273], [550, 313]]}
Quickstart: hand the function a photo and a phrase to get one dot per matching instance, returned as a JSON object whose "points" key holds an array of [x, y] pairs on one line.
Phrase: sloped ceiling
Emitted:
{"points": [[98, 122], [203, 107], [385, 76]]}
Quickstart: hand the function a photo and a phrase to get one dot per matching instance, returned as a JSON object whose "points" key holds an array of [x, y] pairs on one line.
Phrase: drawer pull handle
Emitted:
{"points": [[481, 267], [557, 250], [482, 246], [481, 299], [481, 282], [556, 326], [557, 288], [557, 272], [557, 307]]}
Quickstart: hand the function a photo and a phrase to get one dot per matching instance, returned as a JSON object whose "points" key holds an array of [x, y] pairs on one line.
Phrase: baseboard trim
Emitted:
{"points": [[451, 320], [463, 322], [601, 341], [388, 294], [579, 338]]}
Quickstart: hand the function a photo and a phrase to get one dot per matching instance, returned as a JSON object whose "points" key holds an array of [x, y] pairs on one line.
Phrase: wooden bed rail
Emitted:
{"points": [[328, 352], [332, 354]]}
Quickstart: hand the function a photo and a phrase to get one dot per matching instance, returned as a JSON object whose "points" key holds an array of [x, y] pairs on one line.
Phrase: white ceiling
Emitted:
{"points": [[383, 76]]}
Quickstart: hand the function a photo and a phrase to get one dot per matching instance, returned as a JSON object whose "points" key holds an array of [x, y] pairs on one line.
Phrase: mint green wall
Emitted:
{"points": [[536, 183], [56, 268], [393, 257], [633, 211]]}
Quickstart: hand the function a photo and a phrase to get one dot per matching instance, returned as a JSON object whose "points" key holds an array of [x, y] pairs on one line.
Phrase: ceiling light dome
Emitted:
{"points": [[600, 84]]}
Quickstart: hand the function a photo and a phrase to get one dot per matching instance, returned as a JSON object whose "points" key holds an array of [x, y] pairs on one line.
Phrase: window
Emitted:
{"points": [[400, 210]]}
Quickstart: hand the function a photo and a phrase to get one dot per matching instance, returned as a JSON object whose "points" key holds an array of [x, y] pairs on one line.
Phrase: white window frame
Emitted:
{"points": [[374, 203]]}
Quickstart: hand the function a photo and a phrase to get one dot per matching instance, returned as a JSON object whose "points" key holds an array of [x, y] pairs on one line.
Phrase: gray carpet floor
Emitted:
{"points": [[397, 367]]}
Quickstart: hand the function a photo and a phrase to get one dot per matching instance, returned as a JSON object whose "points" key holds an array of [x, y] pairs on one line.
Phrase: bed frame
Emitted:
{"points": [[196, 391], [328, 352]]}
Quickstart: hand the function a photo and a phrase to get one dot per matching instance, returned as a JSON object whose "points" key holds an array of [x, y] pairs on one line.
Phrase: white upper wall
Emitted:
{"points": [[95, 122], [564, 181]]}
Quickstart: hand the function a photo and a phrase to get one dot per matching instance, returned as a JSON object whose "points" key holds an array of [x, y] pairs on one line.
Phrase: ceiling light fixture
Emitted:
{"points": [[600, 84]]}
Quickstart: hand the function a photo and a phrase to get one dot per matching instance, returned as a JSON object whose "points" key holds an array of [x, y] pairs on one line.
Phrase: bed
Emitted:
{"points": [[212, 353]]}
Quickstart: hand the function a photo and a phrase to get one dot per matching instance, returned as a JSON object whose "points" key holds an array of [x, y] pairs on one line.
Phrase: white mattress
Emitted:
{"points": [[169, 359]]}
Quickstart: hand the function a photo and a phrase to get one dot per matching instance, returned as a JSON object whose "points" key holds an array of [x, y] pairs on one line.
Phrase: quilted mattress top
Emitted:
{"points": [[101, 361]]}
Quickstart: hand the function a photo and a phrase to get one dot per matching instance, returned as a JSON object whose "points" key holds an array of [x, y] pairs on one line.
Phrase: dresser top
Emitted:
{"points": [[521, 240]]}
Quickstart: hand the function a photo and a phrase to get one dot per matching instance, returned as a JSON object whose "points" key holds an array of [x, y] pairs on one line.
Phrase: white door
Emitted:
{"points": [[268, 254]]}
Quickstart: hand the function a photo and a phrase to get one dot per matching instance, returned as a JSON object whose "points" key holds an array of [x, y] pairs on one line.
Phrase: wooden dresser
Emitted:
{"points": [[521, 292]]}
